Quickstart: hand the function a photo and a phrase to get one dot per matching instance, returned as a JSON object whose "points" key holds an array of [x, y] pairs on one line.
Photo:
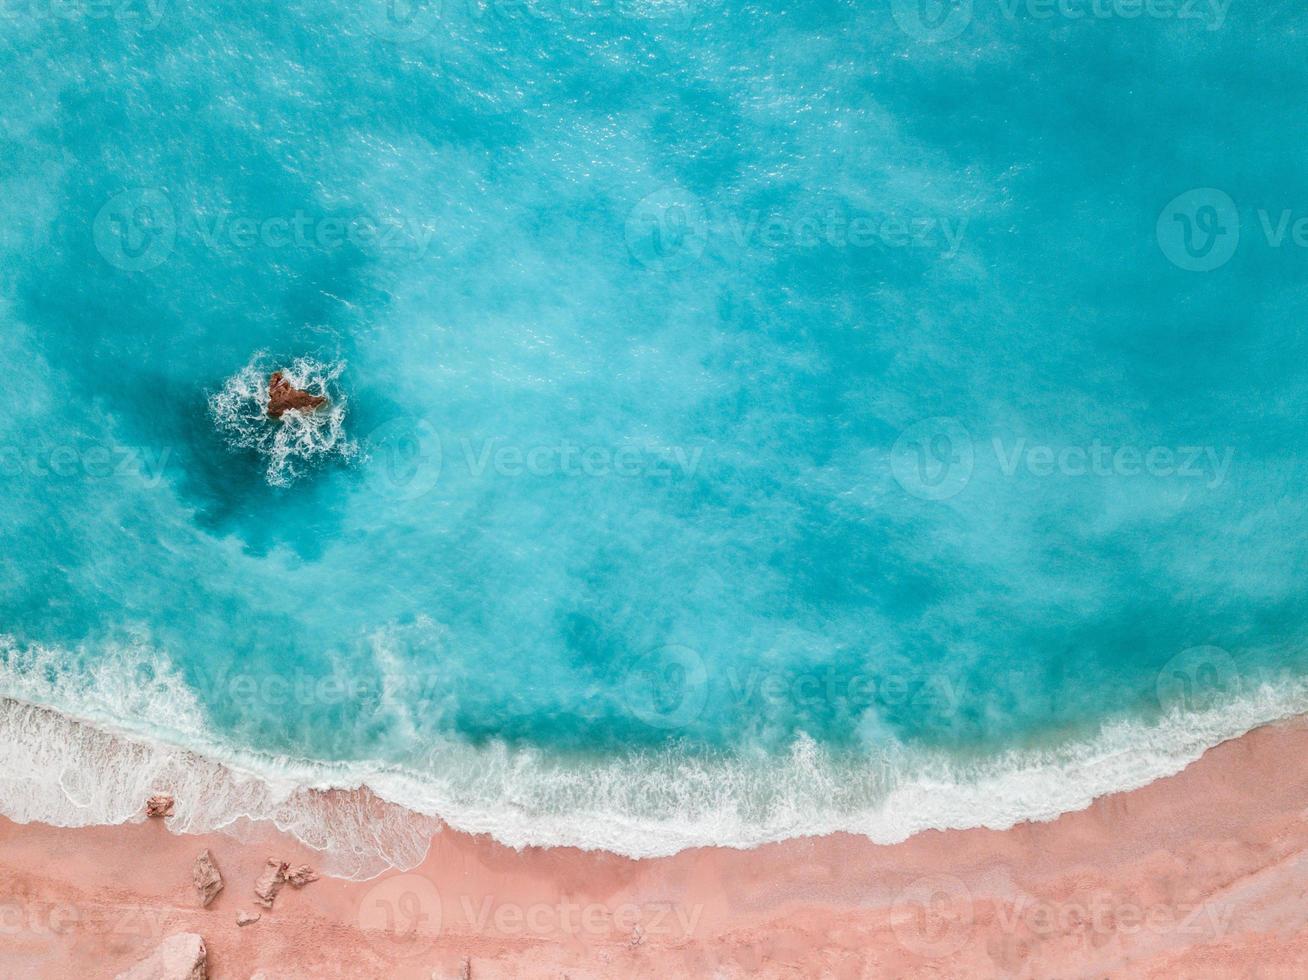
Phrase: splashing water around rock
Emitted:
{"points": [[296, 441]]}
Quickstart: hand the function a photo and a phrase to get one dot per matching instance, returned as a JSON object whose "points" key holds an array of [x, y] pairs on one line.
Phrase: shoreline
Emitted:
{"points": [[1196, 874], [365, 819]]}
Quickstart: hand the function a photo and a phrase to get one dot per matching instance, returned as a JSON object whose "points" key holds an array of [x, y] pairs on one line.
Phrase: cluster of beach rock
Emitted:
{"points": [[184, 956]]}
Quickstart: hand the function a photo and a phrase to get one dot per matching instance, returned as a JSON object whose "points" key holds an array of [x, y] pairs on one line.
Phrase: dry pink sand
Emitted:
{"points": [[1204, 874]]}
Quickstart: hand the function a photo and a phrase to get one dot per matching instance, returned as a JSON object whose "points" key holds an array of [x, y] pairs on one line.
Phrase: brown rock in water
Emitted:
{"points": [[270, 882], [246, 918], [179, 957], [301, 876], [159, 806], [208, 882], [284, 396]]}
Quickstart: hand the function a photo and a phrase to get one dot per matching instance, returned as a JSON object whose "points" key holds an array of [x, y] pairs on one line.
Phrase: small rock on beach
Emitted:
{"points": [[208, 882], [277, 873]]}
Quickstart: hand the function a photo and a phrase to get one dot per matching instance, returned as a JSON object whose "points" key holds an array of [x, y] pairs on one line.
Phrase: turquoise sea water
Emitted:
{"points": [[747, 420]]}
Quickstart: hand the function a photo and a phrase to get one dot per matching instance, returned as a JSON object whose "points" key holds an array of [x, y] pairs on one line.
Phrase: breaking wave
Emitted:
{"points": [[88, 747], [297, 442]]}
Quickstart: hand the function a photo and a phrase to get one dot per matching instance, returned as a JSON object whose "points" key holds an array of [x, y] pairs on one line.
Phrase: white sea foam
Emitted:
{"points": [[81, 752], [84, 741], [298, 441]]}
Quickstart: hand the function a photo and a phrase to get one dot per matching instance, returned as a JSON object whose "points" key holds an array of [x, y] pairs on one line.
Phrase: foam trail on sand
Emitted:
{"points": [[69, 773]]}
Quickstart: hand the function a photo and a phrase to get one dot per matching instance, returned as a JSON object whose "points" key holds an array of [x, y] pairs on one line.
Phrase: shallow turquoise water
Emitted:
{"points": [[711, 380]]}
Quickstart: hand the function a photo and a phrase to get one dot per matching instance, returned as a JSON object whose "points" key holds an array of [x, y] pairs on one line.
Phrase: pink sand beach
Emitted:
{"points": [[1202, 874]]}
